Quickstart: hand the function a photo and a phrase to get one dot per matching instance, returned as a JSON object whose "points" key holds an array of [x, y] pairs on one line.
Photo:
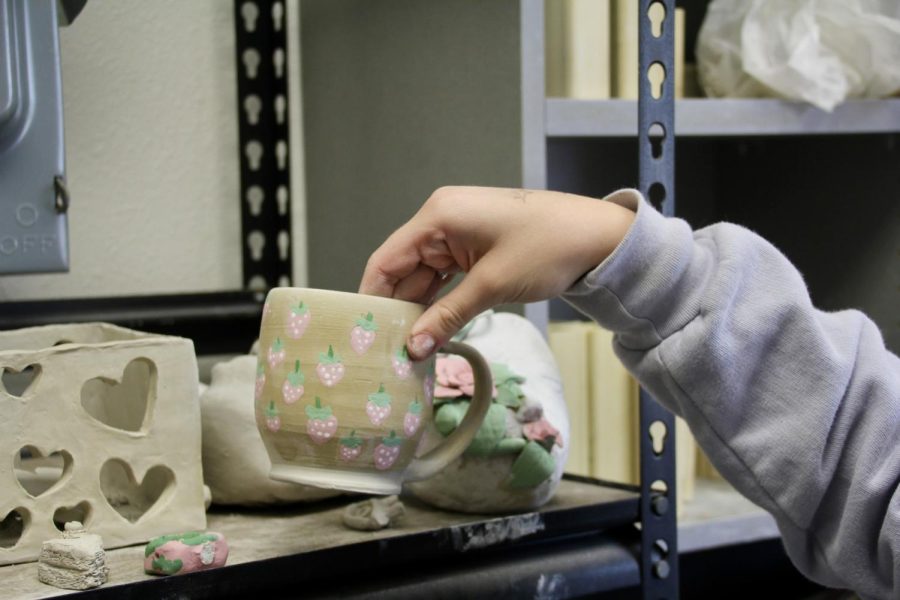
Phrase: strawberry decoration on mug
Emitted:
{"points": [[298, 320], [260, 381], [387, 451], [322, 424], [379, 406], [330, 368], [276, 353], [401, 363], [413, 418], [362, 336], [292, 389], [351, 447], [273, 421]]}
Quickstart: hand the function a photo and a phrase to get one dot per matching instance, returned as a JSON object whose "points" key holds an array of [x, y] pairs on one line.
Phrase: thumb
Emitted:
{"points": [[443, 319]]}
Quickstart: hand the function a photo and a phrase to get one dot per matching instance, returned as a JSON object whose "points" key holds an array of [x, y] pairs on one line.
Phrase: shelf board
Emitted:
{"points": [[719, 516], [305, 545], [703, 117]]}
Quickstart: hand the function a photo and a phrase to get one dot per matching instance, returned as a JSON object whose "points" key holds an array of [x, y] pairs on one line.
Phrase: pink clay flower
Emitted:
{"points": [[454, 378], [541, 430]]}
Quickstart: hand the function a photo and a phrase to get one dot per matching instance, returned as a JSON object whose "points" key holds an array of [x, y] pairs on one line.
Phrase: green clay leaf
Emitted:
{"points": [[510, 446], [502, 373], [169, 567], [533, 466], [300, 309], [402, 354], [449, 416], [509, 394], [198, 538], [415, 407], [260, 369], [278, 345], [191, 538], [492, 430], [271, 411]]}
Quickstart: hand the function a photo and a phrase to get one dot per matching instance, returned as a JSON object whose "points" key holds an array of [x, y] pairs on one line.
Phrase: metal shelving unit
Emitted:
{"points": [[610, 554], [702, 117], [657, 552]]}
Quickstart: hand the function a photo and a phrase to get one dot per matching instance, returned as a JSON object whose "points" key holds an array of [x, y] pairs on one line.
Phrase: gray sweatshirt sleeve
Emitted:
{"points": [[798, 408]]}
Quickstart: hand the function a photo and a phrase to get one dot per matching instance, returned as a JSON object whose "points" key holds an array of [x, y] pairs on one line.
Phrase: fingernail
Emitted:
{"points": [[421, 345]]}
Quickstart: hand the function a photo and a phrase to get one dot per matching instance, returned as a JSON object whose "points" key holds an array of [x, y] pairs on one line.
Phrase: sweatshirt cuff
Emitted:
{"points": [[643, 291]]}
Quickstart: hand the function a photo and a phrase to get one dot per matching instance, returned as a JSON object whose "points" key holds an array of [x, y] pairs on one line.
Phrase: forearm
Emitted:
{"points": [[799, 409]]}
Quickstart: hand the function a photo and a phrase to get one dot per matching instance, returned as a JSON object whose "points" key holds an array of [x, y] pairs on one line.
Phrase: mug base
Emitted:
{"points": [[348, 481]]}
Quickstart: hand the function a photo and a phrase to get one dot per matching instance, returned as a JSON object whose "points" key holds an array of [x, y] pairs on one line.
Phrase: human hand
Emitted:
{"points": [[513, 245]]}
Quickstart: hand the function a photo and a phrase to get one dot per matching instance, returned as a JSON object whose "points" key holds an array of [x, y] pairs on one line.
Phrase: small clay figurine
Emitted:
{"points": [[373, 514], [76, 561], [185, 553]]}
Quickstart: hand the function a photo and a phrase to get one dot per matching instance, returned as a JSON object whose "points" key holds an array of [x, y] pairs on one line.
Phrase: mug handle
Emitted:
{"points": [[456, 443]]}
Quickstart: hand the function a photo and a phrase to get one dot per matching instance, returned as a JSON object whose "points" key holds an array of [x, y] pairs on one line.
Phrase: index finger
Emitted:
{"points": [[395, 259]]}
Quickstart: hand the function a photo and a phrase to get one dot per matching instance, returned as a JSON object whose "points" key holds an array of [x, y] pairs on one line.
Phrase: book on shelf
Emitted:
{"points": [[625, 44], [577, 41], [569, 344], [614, 405], [603, 403], [625, 49], [705, 469]]}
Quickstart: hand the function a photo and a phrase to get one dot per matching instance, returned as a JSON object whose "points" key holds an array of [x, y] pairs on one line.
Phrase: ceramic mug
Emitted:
{"points": [[339, 404]]}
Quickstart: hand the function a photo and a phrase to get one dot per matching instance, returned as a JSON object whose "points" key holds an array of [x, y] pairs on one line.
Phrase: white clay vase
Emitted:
{"points": [[482, 484], [235, 463]]}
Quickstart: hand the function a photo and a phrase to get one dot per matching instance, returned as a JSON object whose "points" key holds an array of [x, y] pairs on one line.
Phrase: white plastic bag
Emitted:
{"points": [[818, 51]]}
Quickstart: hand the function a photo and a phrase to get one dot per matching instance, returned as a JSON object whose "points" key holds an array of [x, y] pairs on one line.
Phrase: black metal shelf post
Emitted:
{"points": [[262, 106], [656, 160]]}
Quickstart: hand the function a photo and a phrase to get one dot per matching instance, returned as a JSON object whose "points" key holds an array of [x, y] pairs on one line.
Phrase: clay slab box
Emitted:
{"points": [[100, 424]]}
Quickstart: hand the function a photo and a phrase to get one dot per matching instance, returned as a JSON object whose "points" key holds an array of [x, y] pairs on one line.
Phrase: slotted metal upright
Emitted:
{"points": [[656, 176], [656, 166]]}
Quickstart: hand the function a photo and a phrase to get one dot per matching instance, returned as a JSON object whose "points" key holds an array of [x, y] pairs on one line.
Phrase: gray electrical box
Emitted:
{"points": [[33, 197]]}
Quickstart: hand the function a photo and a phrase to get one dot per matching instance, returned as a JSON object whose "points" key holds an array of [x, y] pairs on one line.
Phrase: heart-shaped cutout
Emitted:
{"points": [[81, 512], [13, 526], [19, 383], [125, 404], [130, 498], [37, 472]]}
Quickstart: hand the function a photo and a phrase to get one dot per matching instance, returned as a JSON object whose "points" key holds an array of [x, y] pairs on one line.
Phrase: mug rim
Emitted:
{"points": [[287, 288]]}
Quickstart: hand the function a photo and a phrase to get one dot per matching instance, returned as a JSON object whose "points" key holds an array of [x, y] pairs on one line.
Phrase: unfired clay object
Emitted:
{"points": [[185, 553], [373, 514], [103, 427], [235, 463], [76, 561], [485, 484]]}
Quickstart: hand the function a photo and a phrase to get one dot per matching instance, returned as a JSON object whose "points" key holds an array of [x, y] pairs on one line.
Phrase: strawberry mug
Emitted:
{"points": [[339, 404]]}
